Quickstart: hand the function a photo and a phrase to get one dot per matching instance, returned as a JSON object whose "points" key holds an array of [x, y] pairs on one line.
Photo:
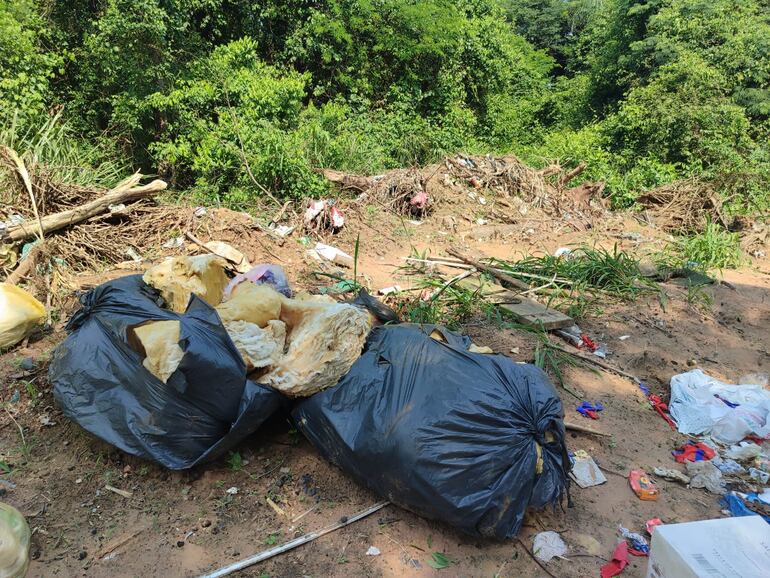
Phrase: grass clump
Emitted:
{"points": [[714, 248]]}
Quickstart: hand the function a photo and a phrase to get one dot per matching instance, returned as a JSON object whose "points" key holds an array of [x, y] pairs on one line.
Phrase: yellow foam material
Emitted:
{"points": [[177, 278], [20, 312], [258, 347], [159, 342], [323, 341], [256, 304]]}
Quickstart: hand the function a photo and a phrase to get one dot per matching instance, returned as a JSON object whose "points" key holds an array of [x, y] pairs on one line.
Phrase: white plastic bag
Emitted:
{"points": [[698, 404], [19, 314]]}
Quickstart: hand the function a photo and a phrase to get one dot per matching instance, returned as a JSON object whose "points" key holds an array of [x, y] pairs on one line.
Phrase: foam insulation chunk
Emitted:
{"points": [[323, 341], [159, 342], [177, 278], [258, 304], [258, 347], [20, 312]]}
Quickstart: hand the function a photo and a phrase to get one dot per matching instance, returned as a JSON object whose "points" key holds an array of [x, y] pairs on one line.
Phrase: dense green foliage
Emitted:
{"points": [[234, 99]]}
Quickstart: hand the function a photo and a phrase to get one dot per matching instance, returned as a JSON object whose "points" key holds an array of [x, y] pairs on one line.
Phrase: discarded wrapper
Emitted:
{"points": [[642, 486], [585, 472]]}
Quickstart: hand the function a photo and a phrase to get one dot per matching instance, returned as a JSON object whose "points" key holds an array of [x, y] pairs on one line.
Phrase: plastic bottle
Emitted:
{"points": [[14, 543]]}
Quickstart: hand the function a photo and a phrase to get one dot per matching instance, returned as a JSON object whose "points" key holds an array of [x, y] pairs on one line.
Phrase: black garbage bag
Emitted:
{"points": [[465, 438], [207, 406]]}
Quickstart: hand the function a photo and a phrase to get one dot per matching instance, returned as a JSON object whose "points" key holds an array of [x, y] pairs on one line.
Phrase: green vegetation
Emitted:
{"points": [[235, 101]]}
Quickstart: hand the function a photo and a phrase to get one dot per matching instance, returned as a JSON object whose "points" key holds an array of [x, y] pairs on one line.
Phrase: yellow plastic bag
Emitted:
{"points": [[19, 314]]}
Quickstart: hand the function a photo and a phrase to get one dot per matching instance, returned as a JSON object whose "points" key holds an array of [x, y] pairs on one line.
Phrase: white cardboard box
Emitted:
{"points": [[724, 548]]}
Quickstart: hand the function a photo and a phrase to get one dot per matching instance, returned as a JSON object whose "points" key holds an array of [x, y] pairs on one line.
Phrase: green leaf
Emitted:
{"points": [[439, 561]]}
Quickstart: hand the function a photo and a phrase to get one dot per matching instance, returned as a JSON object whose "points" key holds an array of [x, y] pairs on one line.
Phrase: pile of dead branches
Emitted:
{"points": [[405, 191], [401, 190], [68, 225], [683, 207]]}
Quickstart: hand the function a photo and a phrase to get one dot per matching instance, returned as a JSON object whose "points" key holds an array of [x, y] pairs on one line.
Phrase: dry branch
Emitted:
{"points": [[124, 192], [506, 279]]}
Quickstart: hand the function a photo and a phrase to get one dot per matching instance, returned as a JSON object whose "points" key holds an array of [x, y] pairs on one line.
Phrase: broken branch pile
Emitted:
{"points": [[95, 223], [683, 207]]}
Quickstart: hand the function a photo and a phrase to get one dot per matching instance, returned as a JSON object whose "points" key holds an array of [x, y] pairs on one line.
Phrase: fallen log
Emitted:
{"points": [[126, 191]]}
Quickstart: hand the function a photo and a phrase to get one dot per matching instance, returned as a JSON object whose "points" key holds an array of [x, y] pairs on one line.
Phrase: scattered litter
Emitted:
{"points": [[721, 547], [587, 409], [390, 290], [483, 349], [373, 551], [585, 472], [515, 350], [693, 452], [324, 214], [482, 200], [562, 252], [672, 475], [728, 466], [281, 231], [427, 413], [200, 212], [738, 411], [232, 491], [45, 420], [20, 313], [736, 504], [262, 274], [643, 486], [237, 260], [705, 475], [652, 524], [618, 562], [334, 255], [481, 221], [759, 475], [114, 490], [416, 223], [624, 337], [638, 545], [548, 545], [173, 243], [14, 542], [743, 451]]}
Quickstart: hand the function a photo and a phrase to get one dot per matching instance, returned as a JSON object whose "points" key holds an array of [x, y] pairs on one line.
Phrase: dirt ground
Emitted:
{"points": [[186, 523]]}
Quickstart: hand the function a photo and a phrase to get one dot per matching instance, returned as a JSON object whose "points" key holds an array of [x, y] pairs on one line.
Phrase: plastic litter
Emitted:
{"points": [[20, 313], [373, 551], [642, 486], [585, 472], [672, 475], [618, 562], [697, 410], [743, 451], [205, 408], [693, 452], [405, 422], [728, 466], [333, 254], [735, 503], [237, 261], [548, 545], [705, 475], [638, 544], [326, 212], [652, 524], [14, 542], [588, 409], [262, 274], [759, 475]]}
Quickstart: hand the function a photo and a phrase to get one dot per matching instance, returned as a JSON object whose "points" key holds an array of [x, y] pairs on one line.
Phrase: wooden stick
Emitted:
{"points": [[25, 266], [569, 175], [583, 428], [123, 192], [599, 363], [538, 562], [487, 269], [309, 537]]}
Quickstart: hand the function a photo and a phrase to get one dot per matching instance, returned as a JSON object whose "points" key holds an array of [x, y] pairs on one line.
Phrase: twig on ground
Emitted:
{"points": [[538, 562], [309, 537]]}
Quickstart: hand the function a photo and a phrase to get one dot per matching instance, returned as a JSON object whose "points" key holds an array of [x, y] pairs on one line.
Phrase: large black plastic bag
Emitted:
{"points": [[445, 433], [206, 407]]}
